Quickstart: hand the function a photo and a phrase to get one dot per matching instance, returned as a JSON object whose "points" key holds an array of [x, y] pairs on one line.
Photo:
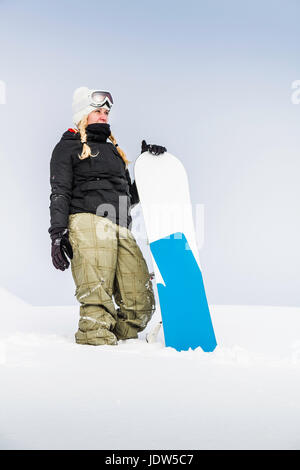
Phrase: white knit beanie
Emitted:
{"points": [[81, 103]]}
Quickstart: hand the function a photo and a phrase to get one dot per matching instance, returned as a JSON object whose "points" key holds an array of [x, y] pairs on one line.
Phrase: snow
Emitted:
{"points": [[56, 394]]}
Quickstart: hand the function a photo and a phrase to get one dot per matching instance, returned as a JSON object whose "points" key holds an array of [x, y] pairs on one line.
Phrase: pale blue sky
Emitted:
{"points": [[210, 80]]}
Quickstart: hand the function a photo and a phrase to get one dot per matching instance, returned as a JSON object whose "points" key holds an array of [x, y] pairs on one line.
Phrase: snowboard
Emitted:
{"points": [[163, 188]]}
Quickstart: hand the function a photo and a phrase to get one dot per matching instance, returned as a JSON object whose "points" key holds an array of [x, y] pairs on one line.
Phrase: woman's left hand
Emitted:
{"points": [[152, 148]]}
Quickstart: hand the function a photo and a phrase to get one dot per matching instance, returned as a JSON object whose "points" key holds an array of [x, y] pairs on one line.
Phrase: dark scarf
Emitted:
{"points": [[98, 132]]}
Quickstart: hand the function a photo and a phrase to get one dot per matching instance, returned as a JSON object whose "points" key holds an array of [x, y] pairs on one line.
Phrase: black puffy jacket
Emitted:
{"points": [[100, 184]]}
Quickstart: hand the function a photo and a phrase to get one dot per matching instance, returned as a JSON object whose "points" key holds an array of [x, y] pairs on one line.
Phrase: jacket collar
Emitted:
{"points": [[97, 132]]}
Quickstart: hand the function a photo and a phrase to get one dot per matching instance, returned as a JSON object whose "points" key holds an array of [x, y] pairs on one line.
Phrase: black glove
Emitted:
{"points": [[61, 247], [154, 149]]}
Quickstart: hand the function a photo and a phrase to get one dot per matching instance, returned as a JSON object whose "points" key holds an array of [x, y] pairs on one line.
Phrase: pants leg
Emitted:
{"points": [[95, 249], [133, 290]]}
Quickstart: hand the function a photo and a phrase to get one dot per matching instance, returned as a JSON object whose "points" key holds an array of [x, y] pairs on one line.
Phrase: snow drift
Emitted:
{"points": [[56, 394]]}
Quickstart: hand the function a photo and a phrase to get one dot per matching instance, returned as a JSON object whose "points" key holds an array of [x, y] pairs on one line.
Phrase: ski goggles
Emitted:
{"points": [[99, 98]]}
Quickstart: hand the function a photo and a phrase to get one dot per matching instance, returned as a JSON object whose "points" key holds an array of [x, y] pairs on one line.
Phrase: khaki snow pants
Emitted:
{"points": [[108, 264]]}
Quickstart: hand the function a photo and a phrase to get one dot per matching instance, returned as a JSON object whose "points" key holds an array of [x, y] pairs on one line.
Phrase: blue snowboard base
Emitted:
{"points": [[184, 309]]}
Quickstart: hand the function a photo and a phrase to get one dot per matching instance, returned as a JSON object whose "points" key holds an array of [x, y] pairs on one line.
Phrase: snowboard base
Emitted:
{"points": [[184, 309]]}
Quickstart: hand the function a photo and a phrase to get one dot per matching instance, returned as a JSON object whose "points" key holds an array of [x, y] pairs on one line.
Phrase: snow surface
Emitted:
{"points": [[56, 394]]}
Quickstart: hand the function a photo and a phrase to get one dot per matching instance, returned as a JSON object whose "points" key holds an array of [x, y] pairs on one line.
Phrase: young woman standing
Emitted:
{"points": [[90, 202]]}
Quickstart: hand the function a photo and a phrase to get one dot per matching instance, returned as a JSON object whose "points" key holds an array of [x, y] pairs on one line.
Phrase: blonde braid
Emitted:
{"points": [[86, 149], [121, 152]]}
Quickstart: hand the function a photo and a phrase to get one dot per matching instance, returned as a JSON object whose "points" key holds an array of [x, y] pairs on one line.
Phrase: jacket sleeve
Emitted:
{"points": [[134, 195], [61, 182]]}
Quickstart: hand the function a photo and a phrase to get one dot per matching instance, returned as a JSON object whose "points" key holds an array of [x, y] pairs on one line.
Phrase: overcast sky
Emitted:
{"points": [[210, 80]]}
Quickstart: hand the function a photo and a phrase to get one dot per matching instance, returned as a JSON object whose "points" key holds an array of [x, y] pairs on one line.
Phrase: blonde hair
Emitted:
{"points": [[86, 149]]}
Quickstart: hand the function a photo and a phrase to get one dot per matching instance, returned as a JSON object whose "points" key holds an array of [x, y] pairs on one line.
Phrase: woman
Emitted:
{"points": [[90, 201]]}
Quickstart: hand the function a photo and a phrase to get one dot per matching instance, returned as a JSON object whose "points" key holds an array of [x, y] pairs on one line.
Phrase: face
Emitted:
{"points": [[99, 115]]}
